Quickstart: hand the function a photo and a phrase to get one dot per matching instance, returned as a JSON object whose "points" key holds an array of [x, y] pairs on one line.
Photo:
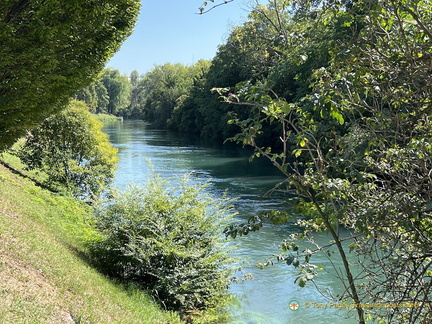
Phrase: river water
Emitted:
{"points": [[266, 298]]}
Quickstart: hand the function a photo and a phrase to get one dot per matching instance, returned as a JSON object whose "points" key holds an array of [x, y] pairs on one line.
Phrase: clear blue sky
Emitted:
{"points": [[171, 31]]}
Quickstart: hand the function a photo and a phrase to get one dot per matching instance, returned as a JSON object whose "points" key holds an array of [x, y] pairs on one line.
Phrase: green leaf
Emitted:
{"points": [[301, 281], [303, 142], [286, 108], [297, 153], [338, 116], [296, 262], [289, 259]]}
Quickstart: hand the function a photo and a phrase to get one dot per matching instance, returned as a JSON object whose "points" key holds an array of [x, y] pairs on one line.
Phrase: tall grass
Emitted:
{"points": [[105, 118]]}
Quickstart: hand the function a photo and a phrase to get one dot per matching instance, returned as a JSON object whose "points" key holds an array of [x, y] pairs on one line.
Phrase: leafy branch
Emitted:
{"points": [[203, 10]]}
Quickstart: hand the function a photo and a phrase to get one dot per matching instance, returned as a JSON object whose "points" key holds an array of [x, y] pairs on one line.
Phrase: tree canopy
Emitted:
{"points": [[49, 50], [72, 150], [354, 131]]}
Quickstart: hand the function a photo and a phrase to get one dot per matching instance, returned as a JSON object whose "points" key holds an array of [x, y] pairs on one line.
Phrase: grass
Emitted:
{"points": [[104, 118], [45, 276]]}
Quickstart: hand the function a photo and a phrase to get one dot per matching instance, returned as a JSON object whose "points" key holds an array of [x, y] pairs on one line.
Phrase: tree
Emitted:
{"points": [[95, 96], [252, 52], [186, 117], [162, 88], [234, 62], [102, 96], [88, 95], [118, 89], [72, 150], [51, 49], [356, 154], [135, 109]]}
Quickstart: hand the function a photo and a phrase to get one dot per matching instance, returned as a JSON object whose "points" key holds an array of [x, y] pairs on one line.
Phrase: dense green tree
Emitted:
{"points": [[225, 70], [134, 78], [118, 89], [88, 95], [72, 150], [186, 117], [111, 93], [95, 96], [49, 50], [101, 93], [135, 109], [251, 52], [373, 175], [163, 87], [232, 64]]}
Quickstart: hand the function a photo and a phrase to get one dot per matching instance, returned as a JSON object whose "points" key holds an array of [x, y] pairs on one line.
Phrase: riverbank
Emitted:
{"points": [[46, 276], [106, 118], [266, 298]]}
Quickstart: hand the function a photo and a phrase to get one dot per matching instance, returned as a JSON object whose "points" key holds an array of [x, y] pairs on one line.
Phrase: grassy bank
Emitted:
{"points": [[105, 118], [45, 276]]}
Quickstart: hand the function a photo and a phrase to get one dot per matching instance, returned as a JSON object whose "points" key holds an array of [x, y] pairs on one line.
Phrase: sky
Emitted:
{"points": [[171, 31]]}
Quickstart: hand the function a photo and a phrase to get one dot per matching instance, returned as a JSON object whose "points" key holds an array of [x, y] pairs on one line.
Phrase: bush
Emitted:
{"points": [[168, 240]]}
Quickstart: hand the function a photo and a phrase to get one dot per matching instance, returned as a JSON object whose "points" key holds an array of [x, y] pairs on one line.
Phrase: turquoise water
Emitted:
{"points": [[267, 297]]}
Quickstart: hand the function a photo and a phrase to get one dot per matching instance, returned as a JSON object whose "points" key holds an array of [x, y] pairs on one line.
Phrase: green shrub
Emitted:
{"points": [[168, 239]]}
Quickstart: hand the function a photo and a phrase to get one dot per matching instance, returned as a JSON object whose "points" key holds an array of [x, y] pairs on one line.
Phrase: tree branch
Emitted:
{"points": [[16, 9], [203, 11]]}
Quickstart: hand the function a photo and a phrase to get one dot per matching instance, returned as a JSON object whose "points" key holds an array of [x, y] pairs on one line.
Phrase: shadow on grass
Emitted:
{"points": [[26, 176]]}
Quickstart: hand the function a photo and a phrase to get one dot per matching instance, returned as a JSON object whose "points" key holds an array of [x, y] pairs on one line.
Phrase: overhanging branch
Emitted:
{"points": [[203, 10]]}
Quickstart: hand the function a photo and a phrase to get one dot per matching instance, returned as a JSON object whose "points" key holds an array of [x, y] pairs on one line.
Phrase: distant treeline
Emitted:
{"points": [[172, 96], [179, 97], [273, 48]]}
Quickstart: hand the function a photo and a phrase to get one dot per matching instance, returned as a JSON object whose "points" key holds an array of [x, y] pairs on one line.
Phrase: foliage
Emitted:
{"points": [[168, 240], [46, 277], [136, 86], [95, 96], [164, 87], [105, 118], [185, 116], [355, 148], [50, 49], [118, 90], [157, 96], [110, 94], [73, 151], [204, 7], [242, 57]]}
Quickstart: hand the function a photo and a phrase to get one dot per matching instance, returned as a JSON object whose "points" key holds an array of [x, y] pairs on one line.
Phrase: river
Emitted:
{"points": [[266, 298]]}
